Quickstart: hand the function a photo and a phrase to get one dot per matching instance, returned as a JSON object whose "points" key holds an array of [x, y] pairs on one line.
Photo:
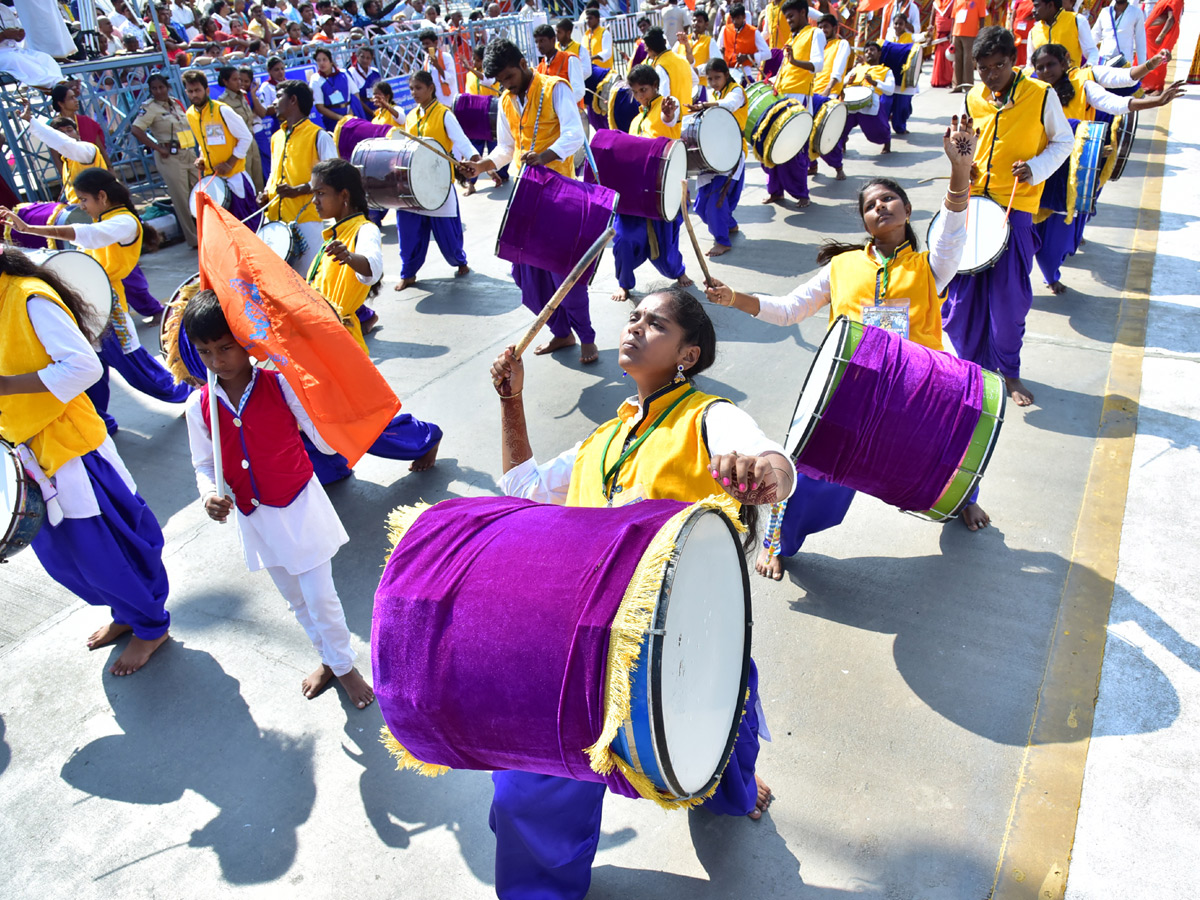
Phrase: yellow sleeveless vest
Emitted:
{"points": [[823, 82], [595, 42], [293, 155], [55, 432], [672, 463], [1079, 108], [855, 279], [430, 123], [858, 75], [214, 154], [71, 168], [778, 30], [793, 79], [1005, 136], [649, 123], [538, 120], [338, 283], [384, 117], [118, 260], [1063, 30], [475, 87], [681, 79]]}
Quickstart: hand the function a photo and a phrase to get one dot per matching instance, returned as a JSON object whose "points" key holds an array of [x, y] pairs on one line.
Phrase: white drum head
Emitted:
{"points": [[857, 96], [720, 139], [82, 273], [10, 490], [703, 651], [817, 389], [832, 126], [277, 236], [429, 176], [987, 234], [215, 187], [673, 173], [792, 138]]}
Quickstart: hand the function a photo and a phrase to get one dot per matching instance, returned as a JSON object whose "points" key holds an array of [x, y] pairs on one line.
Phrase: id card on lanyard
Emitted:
{"points": [[889, 313]]}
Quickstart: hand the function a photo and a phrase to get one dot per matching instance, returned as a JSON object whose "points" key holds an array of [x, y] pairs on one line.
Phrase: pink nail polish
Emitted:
{"points": [[725, 481], [742, 486], [754, 485]]}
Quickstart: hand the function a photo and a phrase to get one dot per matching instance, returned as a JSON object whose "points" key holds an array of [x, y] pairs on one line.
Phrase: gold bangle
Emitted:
{"points": [[511, 396], [961, 193]]}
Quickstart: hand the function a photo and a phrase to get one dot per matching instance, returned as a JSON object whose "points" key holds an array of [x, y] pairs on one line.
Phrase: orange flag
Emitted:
{"points": [[276, 315], [867, 6]]}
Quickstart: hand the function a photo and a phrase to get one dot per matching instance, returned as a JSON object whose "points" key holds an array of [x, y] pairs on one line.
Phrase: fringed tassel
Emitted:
{"points": [[628, 630], [172, 323], [1110, 163], [1081, 135], [399, 520], [405, 760]]}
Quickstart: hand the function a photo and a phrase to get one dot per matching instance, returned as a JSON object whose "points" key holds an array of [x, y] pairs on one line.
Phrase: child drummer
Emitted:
{"points": [[286, 523], [717, 196], [875, 120], [887, 282], [639, 239]]}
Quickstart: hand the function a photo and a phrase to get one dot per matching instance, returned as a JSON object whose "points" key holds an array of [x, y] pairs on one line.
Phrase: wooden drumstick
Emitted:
{"points": [[436, 148], [214, 428], [687, 220], [563, 289]]}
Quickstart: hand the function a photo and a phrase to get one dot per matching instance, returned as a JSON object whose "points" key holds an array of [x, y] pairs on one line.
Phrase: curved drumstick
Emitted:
{"points": [[687, 220], [568, 283]]}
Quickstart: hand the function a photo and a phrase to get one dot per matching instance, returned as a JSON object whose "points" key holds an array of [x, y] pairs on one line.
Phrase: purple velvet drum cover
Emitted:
{"points": [[477, 113], [43, 214], [552, 220], [509, 634], [351, 131], [647, 173], [771, 67], [884, 415]]}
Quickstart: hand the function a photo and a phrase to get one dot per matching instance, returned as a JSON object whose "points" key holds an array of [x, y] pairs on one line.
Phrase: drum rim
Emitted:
{"points": [[29, 493], [654, 648], [839, 329], [668, 157], [819, 127], [291, 233], [49, 253], [696, 125], [169, 312], [779, 127], [1125, 144]]}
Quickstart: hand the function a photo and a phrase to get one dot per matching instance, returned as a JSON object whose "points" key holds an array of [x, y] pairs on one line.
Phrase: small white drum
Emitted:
{"points": [[402, 174], [282, 238], [216, 187], [713, 140], [83, 274], [828, 126], [21, 508], [858, 97], [987, 234]]}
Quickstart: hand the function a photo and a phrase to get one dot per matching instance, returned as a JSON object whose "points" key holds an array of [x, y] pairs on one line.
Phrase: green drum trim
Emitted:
{"points": [[759, 98]]}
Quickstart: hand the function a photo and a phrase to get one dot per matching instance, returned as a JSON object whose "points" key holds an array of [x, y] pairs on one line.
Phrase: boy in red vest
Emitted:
{"points": [[285, 521]]}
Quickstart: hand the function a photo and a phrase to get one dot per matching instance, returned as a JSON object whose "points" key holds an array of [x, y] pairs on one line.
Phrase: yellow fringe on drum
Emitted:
{"points": [[1081, 136], [405, 760], [628, 630], [172, 322], [337, 129], [1106, 168], [399, 520]]}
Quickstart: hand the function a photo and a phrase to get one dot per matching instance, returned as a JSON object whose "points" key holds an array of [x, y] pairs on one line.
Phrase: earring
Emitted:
{"points": [[679, 378]]}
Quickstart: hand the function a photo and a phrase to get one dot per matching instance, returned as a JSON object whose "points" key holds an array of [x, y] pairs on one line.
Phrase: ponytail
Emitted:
{"points": [[830, 249], [94, 180]]}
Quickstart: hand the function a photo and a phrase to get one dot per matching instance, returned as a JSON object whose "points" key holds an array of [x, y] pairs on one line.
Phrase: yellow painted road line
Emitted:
{"points": [[1036, 848]]}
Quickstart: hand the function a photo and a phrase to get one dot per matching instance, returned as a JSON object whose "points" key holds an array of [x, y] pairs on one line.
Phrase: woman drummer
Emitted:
{"points": [[885, 282], [114, 239], [717, 196], [1083, 93], [386, 112], [669, 441], [100, 540]]}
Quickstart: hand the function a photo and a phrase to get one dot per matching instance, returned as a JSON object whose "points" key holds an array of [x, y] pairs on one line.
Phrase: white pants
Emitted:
{"points": [[313, 598]]}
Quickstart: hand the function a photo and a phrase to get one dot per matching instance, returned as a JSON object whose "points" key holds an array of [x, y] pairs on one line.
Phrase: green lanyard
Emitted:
{"points": [[615, 468], [881, 283], [316, 263]]}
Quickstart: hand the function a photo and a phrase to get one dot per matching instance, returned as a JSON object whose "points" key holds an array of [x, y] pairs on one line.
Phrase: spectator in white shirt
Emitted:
{"points": [[30, 67], [1120, 31], [439, 63]]}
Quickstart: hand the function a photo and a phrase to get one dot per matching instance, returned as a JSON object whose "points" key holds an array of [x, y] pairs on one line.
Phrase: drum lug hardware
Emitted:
{"points": [[657, 632]]}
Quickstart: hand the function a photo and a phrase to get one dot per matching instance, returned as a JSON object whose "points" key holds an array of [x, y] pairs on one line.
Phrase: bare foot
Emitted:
{"points": [[620, 295], [734, 229], [802, 203], [684, 281], [405, 284], [106, 635], [588, 354], [556, 344], [313, 684], [974, 517], [496, 180], [1020, 394], [136, 654], [772, 568], [470, 189], [717, 250], [356, 686], [763, 801], [772, 198], [462, 270], [369, 325], [840, 176], [1057, 287], [887, 148], [425, 463], [812, 168]]}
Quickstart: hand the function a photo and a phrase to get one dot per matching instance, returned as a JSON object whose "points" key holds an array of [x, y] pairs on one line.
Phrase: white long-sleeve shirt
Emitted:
{"points": [[1060, 141], [77, 151], [570, 128], [445, 86], [238, 128], [116, 230], [733, 101], [910, 10], [1123, 33], [606, 47], [841, 59], [762, 52], [945, 252], [727, 429]]}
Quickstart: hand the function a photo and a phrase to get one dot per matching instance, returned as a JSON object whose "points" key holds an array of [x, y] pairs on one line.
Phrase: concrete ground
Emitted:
{"points": [[901, 661]]}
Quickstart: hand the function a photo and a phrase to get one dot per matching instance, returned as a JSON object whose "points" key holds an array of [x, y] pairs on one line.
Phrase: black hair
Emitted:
{"points": [[94, 180], [225, 73], [298, 91], [656, 41], [195, 76], [830, 249], [427, 34], [273, 62], [58, 94], [643, 20], [642, 75], [421, 77], [566, 25], [385, 88], [501, 54], [591, 11], [717, 64], [798, 5], [157, 76], [15, 262], [828, 19], [342, 176], [992, 40], [58, 123], [321, 50], [545, 31], [478, 50], [246, 70], [1057, 3], [203, 318], [900, 17], [700, 14], [737, 10], [1064, 88]]}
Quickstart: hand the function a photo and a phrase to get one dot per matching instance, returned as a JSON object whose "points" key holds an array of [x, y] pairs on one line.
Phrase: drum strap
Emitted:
{"points": [[614, 470]]}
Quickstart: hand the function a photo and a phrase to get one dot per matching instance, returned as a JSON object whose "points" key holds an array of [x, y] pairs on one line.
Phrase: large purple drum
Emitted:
{"points": [[477, 114], [43, 214], [646, 173], [351, 131], [771, 67], [552, 220]]}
